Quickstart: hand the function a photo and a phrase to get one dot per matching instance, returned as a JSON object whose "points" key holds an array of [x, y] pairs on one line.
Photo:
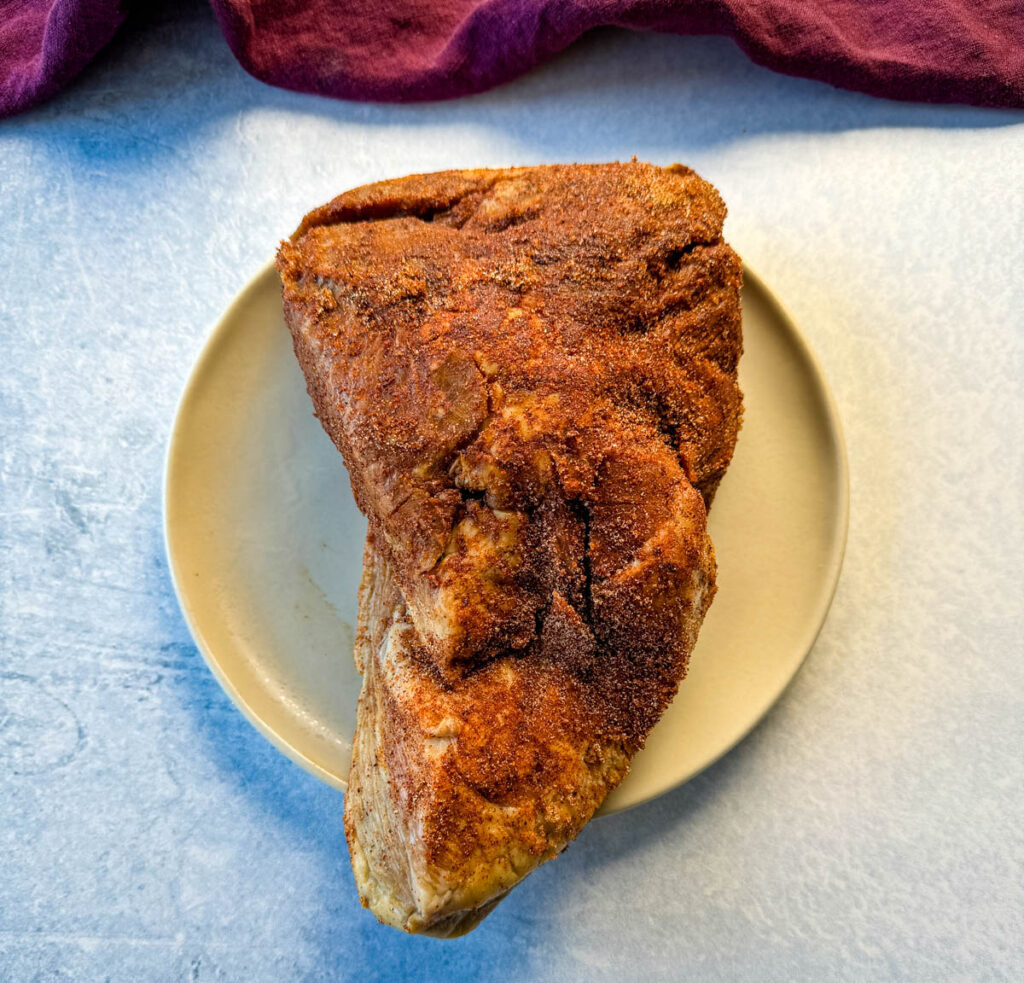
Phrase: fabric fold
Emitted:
{"points": [[414, 50]]}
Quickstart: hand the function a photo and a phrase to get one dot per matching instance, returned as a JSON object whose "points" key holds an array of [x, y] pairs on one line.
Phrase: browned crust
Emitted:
{"points": [[531, 374], [502, 767]]}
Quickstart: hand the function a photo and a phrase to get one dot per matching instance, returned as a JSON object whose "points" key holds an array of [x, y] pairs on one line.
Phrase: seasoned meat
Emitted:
{"points": [[531, 375]]}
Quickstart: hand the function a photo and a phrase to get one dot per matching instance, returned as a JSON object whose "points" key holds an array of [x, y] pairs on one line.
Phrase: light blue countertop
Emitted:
{"points": [[870, 829]]}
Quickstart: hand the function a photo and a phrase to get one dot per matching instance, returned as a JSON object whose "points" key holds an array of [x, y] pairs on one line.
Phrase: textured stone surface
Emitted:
{"points": [[871, 828]]}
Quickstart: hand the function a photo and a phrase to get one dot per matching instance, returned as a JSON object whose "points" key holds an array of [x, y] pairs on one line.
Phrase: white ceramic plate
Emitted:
{"points": [[265, 545]]}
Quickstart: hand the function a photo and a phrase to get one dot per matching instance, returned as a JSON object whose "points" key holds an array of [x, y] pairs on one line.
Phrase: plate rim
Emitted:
{"points": [[833, 571], [209, 344]]}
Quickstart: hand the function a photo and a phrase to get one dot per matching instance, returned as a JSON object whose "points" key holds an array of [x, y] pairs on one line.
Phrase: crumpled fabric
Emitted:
{"points": [[943, 51], [44, 44]]}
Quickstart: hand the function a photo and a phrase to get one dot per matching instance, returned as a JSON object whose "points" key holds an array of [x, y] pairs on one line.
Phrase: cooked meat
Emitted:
{"points": [[457, 791], [531, 375]]}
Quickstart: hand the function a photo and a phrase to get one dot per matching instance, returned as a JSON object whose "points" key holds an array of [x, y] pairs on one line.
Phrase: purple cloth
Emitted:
{"points": [[44, 44], [926, 50]]}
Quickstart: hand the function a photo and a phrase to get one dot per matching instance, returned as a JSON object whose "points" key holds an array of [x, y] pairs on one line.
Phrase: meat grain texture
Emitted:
{"points": [[531, 375]]}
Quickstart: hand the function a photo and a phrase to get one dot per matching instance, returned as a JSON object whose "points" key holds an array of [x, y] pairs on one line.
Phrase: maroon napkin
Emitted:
{"points": [[399, 50]]}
